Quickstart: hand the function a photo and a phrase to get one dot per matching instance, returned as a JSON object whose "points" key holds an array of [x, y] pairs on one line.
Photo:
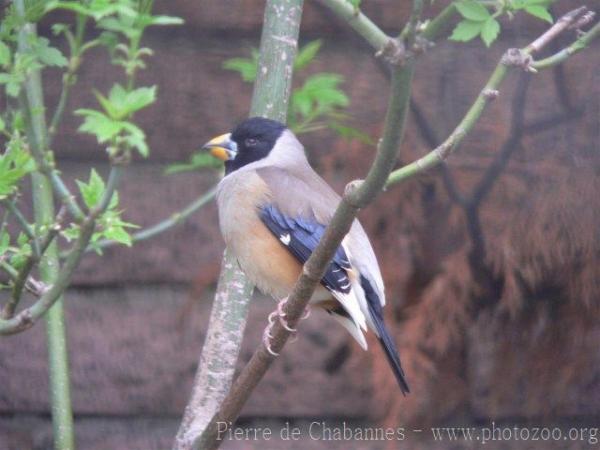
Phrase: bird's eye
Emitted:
{"points": [[251, 142]]}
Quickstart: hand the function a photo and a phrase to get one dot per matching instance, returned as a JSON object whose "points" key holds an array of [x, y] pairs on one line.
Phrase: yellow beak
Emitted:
{"points": [[222, 147]]}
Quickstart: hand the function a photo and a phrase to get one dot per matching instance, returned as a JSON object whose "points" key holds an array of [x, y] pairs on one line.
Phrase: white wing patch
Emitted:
{"points": [[351, 327], [352, 307], [285, 238]]}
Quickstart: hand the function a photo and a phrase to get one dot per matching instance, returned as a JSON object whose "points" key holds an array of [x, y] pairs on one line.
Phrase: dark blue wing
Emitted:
{"points": [[301, 236]]}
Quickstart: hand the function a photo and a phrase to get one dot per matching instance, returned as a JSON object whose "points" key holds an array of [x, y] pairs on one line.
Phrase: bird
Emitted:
{"points": [[273, 209]]}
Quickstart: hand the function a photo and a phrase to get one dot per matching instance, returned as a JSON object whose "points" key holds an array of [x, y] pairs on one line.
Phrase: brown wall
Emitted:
{"points": [[508, 333]]}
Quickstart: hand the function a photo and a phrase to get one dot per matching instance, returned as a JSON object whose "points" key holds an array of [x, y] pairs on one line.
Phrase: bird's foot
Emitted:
{"points": [[279, 313], [282, 315]]}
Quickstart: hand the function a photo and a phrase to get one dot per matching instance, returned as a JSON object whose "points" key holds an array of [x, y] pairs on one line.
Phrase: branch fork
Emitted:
{"points": [[394, 52], [515, 57]]}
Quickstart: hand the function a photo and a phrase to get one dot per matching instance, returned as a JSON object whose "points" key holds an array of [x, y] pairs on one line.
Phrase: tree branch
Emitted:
{"points": [[32, 106], [512, 57], [359, 22], [219, 354], [357, 195], [439, 24], [487, 181], [573, 19], [22, 277], [28, 317], [270, 99]]}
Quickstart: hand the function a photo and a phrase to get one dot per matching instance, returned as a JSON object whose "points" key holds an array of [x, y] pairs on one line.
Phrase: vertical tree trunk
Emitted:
{"points": [[32, 104], [220, 352]]}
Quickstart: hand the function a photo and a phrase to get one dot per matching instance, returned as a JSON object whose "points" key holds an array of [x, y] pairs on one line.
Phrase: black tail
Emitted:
{"points": [[386, 341]]}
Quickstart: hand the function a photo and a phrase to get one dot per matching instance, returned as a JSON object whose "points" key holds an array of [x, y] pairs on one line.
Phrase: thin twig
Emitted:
{"points": [[564, 54], [68, 78], [359, 22], [494, 170], [439, 24], [566, 21], [25, 226], [170, 222], [38, 150], [431, 139], [10, 270]]}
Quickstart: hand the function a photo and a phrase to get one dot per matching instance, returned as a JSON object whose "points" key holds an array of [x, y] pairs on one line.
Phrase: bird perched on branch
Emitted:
{"points": [[273, 210]]}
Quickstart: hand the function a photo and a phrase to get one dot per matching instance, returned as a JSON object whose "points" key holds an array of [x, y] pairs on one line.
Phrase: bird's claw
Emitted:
{"points": [[282, 315], [279, 312], [267, 336]]}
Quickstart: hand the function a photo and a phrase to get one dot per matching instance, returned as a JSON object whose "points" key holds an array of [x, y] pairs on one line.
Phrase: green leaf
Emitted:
{"points": [[59, 28], [4, 55], [114, 201], [136, 138], [4, 242], [301, 103], [15, 163], [165, 20], [114, 228], [246, 67], [22, 252], [121, 25], [139, 98], [92, 190], [96, 9], [472, 10], [98, 124], [12, 82], [198, 161], [18, 122], [322, 81], [490, 31], [351, 133], [331, 98], [22, 239], [71, 233], [466, 30], [118, 234], [13, 88], [120, 103], [540, 12], [521, 4], [307, 54], [107, 105], [49, 56]]}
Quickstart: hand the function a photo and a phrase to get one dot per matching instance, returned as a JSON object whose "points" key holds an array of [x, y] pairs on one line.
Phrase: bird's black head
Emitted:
{"points": [[252, 140]]}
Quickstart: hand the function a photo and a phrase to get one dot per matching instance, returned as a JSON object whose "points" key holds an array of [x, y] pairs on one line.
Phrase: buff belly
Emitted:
{"points": [[264, 259]]}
